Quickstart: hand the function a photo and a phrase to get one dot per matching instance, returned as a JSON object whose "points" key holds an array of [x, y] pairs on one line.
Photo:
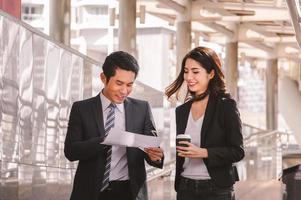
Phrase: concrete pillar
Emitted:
{"points": [[231, 68], [183, 34], [110, 41], [272, 94], [127, 26], [59, 20], [196, 40]]}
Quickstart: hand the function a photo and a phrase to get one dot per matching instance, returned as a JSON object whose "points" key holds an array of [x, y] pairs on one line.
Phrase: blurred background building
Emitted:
{"points": [[51, 52]]}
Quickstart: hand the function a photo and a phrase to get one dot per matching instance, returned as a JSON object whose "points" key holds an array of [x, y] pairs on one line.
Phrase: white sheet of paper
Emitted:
{"points": [[124, 138]]}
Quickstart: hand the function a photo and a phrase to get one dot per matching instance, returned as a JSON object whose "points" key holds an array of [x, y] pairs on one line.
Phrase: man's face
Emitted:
{"points": [[119, 86]]}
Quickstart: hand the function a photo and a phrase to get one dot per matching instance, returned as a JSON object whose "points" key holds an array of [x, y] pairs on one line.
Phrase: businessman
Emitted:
{"points": [[111, 172]]}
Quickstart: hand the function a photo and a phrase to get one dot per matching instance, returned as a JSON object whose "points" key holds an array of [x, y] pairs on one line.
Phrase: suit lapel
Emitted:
{"points": [[129, 113], [97, 110], [128, 109], [208, 116]]}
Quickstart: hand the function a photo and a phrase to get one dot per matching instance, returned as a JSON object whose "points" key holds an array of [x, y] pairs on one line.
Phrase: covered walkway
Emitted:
{"points": [[41, 76]]}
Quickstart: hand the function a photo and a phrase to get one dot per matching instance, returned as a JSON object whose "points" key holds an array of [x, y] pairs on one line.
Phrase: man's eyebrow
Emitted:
{"points": [[119, 81]]}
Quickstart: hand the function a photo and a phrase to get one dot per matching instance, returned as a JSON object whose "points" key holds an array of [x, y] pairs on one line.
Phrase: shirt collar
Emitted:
{"points": [[105, 102]]}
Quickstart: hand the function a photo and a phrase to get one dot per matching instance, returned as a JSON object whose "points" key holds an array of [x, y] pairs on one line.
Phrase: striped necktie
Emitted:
{"points": [[109, 124]]}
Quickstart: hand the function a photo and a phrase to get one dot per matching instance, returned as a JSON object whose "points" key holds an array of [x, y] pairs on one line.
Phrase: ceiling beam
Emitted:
{"points": [[169, 18], [173, 5], [260, 12], [219, 28], [236, 5], [278, 3], [259, 45], [220, 11], [201, 34], [259, 29]]}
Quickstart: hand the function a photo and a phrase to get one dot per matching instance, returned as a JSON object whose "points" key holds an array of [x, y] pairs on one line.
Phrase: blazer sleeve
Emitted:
{"points": [[233, 151], [76, 148], [149, 129]]}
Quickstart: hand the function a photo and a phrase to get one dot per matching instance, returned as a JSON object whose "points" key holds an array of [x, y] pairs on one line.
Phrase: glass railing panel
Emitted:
{"points": [[1, 88], [39, 81], [65, 78], [25, 97], [10, 91], [96, 83], [39, 101], [263, 155], [77, 78], [52, 66], [1, 105], [87, 84], [266, 154]]}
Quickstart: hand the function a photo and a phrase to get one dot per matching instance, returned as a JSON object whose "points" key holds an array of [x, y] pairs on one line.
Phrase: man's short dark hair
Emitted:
{"points": [[122, 60]]}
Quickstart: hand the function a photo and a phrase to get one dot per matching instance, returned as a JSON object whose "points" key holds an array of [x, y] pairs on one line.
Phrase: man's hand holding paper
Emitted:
{"points": [[154, 153], [124, 138]]}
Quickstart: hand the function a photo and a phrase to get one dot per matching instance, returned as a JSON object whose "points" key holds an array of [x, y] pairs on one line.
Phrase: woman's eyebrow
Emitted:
{"points": [[193, 68]]}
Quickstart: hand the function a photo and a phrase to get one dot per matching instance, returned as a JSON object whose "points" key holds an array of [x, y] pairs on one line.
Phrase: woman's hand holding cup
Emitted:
{"points": [[182, 143], [186, 149]]}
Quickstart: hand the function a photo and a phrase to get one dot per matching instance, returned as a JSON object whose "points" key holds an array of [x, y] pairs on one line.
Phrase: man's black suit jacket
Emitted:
{"points": [[220, 135], [86, 131]]}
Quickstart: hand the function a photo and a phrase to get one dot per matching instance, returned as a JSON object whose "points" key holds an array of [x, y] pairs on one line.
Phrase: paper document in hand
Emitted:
{"points": [[124, 138]]}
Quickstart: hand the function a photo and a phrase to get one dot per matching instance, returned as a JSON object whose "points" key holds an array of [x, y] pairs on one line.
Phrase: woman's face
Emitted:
{"points": [[196, 76]]}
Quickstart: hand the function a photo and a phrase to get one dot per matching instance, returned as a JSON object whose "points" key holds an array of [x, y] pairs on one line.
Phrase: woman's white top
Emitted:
{"points": [[195, 168]]}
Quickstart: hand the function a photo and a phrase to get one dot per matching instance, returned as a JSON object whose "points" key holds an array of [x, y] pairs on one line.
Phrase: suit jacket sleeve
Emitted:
{"points": [[149, 127], [233, 151], [76, 147]]}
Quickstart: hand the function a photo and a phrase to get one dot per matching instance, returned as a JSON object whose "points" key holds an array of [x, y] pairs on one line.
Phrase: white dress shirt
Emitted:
{"points": [[119, 164]]}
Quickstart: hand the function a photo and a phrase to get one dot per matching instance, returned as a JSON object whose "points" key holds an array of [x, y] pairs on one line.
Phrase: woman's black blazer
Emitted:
{"points": [[221, 135]]}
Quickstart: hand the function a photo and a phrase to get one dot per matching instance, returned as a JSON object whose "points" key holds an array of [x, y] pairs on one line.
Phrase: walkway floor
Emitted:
{"points": [[258, 190], [162, 189]]}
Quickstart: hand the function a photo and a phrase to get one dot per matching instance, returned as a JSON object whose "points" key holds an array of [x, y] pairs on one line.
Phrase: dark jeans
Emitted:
{"points": [[190, 189], [117, 190]]}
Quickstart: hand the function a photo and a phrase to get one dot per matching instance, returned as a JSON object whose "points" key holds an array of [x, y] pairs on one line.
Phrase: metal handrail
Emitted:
{"points": [[48, 38], [156, 173], [260, 134], [254, 127]]}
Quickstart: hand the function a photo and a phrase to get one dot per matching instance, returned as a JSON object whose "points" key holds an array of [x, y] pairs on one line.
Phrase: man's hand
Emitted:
{"points": [[154, 153]]}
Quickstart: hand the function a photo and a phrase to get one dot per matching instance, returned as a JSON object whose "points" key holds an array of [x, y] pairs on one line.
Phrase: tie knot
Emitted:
{"points": [[112, 106]]}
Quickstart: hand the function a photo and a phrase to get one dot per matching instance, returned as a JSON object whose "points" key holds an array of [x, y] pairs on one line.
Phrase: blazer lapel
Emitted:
{"points": [[183, 117], [210, 109], [97, 110], [128, 109], [129, 113]]}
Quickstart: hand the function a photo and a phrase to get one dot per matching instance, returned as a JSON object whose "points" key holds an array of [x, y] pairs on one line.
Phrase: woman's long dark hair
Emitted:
{"points": [[209, 60]]}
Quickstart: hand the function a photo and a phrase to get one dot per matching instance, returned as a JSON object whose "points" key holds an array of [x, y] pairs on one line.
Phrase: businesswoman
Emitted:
{"points": [[204, 168]]}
